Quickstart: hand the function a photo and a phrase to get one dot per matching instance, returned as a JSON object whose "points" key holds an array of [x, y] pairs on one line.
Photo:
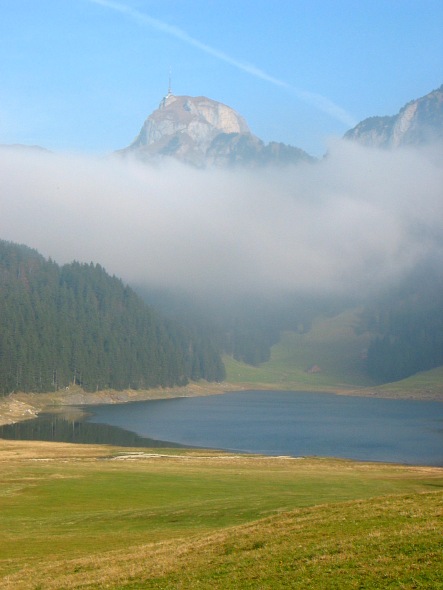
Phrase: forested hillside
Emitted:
{"points": [[409, 324], [76, 324], [244, 327], [403, 329]]}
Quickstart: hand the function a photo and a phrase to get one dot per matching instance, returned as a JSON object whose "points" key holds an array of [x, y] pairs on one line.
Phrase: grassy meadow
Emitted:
{"points": [[332, 345], [79, 516]]}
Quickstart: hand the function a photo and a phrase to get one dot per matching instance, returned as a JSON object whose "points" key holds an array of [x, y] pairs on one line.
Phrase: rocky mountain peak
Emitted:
{"points": [[203, 132], [186, 126], [418, 122]]}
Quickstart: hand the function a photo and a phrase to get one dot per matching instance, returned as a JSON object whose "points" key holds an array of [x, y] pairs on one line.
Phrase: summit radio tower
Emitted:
{"points": [[169, 84]]}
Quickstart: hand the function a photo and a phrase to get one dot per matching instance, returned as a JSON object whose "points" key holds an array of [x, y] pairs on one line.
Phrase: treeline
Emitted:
{"points": [[409, 327], [243, 326], [77, 324]]}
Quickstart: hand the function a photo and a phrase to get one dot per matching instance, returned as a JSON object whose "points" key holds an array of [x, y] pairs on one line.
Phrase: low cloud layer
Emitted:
{"points": [[349, 224]]}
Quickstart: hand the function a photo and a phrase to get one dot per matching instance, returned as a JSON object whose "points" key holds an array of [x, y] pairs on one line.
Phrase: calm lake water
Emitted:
{"points": [[290, 423]]}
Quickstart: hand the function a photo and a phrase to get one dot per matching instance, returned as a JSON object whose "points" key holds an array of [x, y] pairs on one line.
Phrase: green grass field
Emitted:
{"points": [[74, 516]]}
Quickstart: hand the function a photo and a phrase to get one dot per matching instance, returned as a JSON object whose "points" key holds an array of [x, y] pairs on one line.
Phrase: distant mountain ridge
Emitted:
{"points": [[419, 122], [206, 133], [203, 132]]}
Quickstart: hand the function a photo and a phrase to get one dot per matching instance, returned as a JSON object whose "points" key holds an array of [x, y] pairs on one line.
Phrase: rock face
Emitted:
{"points": [[417, 123], [204, 132]]}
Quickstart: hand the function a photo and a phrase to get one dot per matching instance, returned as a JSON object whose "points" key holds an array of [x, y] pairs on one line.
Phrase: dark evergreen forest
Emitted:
{"points": [[76, 324], [408, 322]]}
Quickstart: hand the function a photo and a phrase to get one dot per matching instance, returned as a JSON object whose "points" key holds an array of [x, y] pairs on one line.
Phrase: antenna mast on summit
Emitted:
{"points": [[164, 101], [169, 85]]}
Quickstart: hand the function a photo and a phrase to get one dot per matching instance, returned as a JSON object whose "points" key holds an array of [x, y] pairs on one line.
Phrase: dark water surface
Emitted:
{"points": [[57, 428], [290, 423]]}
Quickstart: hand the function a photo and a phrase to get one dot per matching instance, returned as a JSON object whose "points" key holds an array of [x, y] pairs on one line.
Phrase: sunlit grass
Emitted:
{"points": [[72, 515], [393, 542]]}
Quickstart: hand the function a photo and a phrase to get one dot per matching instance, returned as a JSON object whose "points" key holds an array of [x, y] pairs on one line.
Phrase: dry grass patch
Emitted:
{"points": [[16, 450]]}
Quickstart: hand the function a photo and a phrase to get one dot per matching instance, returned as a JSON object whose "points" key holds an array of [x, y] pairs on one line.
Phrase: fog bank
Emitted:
{"points": [[352, 223]]}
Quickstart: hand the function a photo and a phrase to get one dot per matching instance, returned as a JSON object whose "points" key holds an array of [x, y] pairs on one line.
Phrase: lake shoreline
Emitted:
{"points": [[20, 406]]}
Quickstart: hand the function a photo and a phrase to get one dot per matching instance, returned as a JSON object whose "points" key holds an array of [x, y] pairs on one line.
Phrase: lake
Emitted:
{"points": [[290, 423]]}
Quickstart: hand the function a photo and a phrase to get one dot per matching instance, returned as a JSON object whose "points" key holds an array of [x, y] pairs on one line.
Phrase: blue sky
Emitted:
{"points": [[83, 75]]}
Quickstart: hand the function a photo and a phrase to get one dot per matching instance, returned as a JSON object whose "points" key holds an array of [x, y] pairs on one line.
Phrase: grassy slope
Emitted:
{"points": [[331, 344], [428, 384], [70, 519], [389, 543], [334, 346]]}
